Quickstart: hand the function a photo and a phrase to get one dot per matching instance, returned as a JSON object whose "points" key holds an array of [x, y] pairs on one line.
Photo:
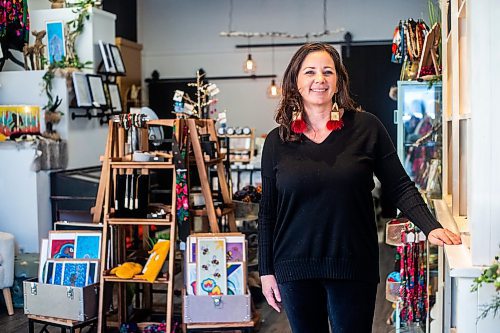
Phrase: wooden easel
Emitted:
{"points": [[206, 126], [116, 161], [430, 48]]}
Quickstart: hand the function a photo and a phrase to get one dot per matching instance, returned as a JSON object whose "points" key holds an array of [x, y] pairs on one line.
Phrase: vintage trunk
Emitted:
{"points": [[217, 309], [75, 303]]}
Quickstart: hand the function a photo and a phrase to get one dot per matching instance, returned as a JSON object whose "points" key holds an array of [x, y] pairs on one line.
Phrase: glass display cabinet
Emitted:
{"points": [[419, 141]]}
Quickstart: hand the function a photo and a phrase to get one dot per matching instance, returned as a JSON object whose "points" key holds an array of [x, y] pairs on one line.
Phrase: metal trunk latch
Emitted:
{"points": [[33, 289], [217, 301], [70, 293]]}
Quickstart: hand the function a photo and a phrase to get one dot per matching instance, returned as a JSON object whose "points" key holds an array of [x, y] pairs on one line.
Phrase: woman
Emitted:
{"points": [[318, 247]]}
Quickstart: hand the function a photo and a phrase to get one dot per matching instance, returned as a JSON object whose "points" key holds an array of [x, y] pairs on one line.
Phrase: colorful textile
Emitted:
{"points": [[14, 23]]}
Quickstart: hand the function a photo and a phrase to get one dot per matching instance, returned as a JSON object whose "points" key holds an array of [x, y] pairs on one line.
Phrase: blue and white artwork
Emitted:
{"points": [[75, 274], [58, 273], [55, 41], [235, 283], [88, 246], [93, 275]]}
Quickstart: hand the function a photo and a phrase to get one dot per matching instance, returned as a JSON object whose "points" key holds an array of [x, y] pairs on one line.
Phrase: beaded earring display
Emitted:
{"points": [[298, 124], [335, 123]]}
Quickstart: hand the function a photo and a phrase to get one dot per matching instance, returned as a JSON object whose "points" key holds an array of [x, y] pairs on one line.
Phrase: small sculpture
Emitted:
{"points": [[57, 4], [34, 52], [70, 43]]}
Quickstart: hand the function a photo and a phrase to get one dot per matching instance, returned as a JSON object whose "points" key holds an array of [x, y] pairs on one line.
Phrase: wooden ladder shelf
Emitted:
{"points": [[117, 162], [207, 126]]}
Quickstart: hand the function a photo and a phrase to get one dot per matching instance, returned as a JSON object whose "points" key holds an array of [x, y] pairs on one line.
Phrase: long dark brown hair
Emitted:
{"points": [[292, 100]]}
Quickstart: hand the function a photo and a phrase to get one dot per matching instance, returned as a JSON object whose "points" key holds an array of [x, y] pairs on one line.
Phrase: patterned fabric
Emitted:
{"points": [[14, 23]]}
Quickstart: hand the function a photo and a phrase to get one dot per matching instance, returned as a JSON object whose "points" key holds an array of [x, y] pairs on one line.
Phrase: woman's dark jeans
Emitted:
{"points": [[311, 304]]}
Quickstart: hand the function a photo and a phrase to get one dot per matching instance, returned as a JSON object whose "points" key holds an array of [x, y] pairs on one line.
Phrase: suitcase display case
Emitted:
{"points": [[217, 309], [75, 303]]}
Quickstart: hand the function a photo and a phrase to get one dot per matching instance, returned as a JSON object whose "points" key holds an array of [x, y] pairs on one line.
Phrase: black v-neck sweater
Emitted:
{"points": [[316, 217]]}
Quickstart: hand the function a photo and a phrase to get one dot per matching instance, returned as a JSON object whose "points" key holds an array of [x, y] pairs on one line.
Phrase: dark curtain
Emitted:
{"points": [[372, 74]]}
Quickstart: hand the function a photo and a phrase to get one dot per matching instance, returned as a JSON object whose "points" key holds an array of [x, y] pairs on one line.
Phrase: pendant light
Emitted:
{"points": [[249, 65], [273, 91]]}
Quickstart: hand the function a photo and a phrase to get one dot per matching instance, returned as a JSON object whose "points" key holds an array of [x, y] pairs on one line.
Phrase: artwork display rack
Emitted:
{"points": [[116, 161]]}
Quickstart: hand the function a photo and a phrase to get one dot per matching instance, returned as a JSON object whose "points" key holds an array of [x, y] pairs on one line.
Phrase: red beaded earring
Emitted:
{"points": [[335, 123], [298, 124]]}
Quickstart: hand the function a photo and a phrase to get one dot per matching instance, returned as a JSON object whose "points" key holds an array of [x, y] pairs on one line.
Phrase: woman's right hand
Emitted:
{"points": [[271, 291]]}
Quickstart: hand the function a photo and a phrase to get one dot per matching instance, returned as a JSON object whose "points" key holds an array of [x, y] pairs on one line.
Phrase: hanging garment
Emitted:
{"points": [[14, 23]]}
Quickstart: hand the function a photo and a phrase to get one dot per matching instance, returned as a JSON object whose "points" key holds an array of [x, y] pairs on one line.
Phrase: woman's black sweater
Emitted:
{"points": [[316, 217]]}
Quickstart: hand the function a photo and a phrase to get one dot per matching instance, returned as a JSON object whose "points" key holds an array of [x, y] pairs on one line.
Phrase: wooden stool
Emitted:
{"points": [[64, 324]]}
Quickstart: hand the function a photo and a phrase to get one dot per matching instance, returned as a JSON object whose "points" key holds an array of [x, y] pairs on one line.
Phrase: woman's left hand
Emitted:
{"points": [[441, 236]]}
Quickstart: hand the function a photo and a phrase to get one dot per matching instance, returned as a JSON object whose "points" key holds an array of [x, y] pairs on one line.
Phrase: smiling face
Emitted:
{"points": [[317, 80]]}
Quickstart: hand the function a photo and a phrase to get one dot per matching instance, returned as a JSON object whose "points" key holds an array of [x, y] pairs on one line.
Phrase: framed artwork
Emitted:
{"points": [[56, 45], [88, 245], [44, 251], [48, 273], [116, 55], [211, 266], [75, 273], [235, 248], [108, 63], [93, 274], [191, 279], [235, 278], [97, 90], [19, 119], [58, 272], [61, 244], [82, 89], [115, 100]]}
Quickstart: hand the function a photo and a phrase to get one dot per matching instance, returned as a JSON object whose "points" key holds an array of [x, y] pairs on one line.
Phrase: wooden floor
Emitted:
{"points": [[271, 321]]}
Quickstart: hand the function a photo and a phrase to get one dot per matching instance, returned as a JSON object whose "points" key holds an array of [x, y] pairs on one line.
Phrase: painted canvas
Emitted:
{"points": [[211, 266], [93, 274], [19, 119], [75, 273], [236, 248], [235, 252], [55, 41], [49, 272], [88, 246], [61, 244], [58, 272], [235, 279], [191, 279]]}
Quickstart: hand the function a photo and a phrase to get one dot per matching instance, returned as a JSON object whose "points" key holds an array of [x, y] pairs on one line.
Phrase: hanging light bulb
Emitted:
{"points": [[273, 91], [249, 65]]}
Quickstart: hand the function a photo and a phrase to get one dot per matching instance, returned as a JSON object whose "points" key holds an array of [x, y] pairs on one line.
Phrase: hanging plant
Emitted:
{"points": [[73, 29], [65, 66]]}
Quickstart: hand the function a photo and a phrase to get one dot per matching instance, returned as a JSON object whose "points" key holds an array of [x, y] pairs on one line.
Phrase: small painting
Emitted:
{"points": [[55, 41], [58, 272], [88, 246], [191, 279], [211, 266], [75, 273], [62, 248], [235, 279], [49, 272], [235, 252], [93, 275]]}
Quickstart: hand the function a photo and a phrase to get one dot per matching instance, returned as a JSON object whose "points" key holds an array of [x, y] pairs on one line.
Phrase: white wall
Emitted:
{"points": [[179, 37]]}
